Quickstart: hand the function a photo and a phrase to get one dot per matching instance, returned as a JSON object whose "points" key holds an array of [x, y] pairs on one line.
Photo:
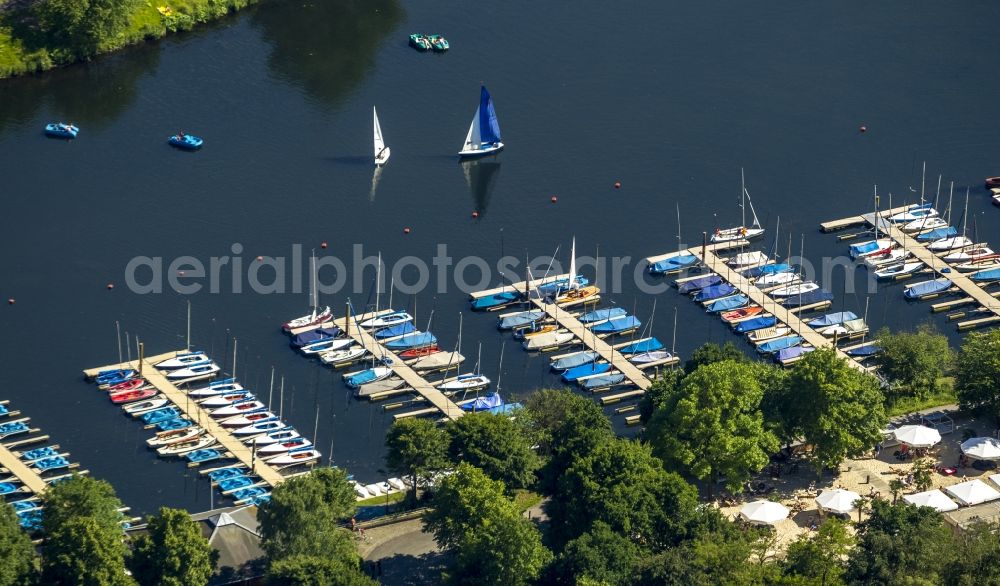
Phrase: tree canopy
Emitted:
{"points": [[306, 570], [416, 448], [820, 557], [497, 445], [81, 496], [172, 552], [914, 361], [17, 554], [710, 353], [82, 551], [899, 544], [977, 374], [492, 543], [601, 555], [713, 425], [82, 26]]}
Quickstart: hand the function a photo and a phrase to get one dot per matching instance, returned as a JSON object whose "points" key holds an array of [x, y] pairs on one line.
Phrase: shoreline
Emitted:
{"points": [[150, 21]]}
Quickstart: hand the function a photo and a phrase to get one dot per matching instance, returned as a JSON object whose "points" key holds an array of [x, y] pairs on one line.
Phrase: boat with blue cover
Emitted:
{"points": [[786, 354], [206, 455], [768, 269], [602, 314], [617, 325], [114, 377], [756, 323], [367, 376], [61, 130], [864, 351], [714, 292], [159, 415], [862, 249], [831, 319], [496, 300], [560, 286], [809, 298], [10, 488], [650, 345], [521, 319], [30, 520], [772, 346], [914, 212], [484, 403], [484, 132], [396, 330], [235, 483], [187, 142], [603, 381], [585, 370], [673, 264], [53, 463], [727, 303], [224, 473], [414, 340], [574, 360], [926, 288], [937, 234], [313, 336], [698, 283], [26, 504], [39, 453], [986, 276], [174, 424], [253, 492], [12, 428]]}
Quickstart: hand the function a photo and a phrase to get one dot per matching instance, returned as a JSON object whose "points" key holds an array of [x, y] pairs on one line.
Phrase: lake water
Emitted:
{"points": [[671, 99]]}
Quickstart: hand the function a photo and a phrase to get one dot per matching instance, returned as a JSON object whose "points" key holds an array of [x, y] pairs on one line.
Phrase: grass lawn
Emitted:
{"points": [[525, 499], [380, 500], [946, 396]]}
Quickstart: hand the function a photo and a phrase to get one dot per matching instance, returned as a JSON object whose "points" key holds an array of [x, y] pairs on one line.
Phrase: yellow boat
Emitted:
{"points": [[577, 295]]}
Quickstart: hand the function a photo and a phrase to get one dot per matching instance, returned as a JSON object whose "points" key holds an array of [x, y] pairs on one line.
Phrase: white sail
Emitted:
{"points": [[312, 287], [381, 151], [572, 266], [472, 140]]}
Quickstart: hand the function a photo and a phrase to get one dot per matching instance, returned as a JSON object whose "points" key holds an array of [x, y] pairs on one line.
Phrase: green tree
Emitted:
{"points": [[664, 386], [416, 448], [17, 555], [304, 515], [82, 551], [306, 570], [820, 559], [492, 543], [914, 361], [497, 445], [834, 407], [82, 26], [601, 555], [710, 353], [81, 496], [563, 425], [723, 557], [623, 485], [900, 544], [977, 374], [172, 552], [713, 425], [976, 557]]}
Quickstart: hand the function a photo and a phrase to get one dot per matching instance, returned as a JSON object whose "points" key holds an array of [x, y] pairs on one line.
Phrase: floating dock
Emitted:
{"points": [[190, 409]]}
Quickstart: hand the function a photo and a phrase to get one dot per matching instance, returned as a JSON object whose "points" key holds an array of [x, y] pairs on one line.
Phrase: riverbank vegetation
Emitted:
{"points": [[41, 35]]}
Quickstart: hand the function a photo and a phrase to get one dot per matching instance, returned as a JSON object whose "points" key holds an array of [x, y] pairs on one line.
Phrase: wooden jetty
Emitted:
{"points": [[412, 380], [27, 475], [835, 225], [226, 441]]}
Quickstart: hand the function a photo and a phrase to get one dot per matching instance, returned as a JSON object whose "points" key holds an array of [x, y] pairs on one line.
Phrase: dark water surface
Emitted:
{"points": [[669, 98]]}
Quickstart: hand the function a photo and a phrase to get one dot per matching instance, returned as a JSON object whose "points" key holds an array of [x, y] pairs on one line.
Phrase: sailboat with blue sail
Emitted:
{"points": [[484, 132]]}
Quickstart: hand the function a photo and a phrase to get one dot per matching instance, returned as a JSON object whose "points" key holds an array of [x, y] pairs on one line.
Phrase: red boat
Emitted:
{"points": [[131, 396], [993, 182], [129, 385], [418, 352], [731, 316]]}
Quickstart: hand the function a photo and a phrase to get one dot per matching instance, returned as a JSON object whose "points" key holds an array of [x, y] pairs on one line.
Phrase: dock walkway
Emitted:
{"points": [[28, 476], [194, 412]]}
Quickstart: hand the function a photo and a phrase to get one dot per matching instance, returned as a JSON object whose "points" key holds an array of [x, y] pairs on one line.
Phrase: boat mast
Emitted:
{"points": [[378, 282], [312, 287], [951, 193], [572, 267], [743, 200], [678, 226], [923, 175], [118, 331], [189, 327], [673, 344], [965, 215]]}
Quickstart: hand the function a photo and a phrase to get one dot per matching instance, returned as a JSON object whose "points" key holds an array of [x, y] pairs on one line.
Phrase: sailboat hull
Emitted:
{"points": [[490, 149], [382, 157]]}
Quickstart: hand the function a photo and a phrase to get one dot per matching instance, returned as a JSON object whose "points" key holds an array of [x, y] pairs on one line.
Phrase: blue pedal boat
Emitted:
{"points": [[60, 130], [187, 142], [591, 369]]}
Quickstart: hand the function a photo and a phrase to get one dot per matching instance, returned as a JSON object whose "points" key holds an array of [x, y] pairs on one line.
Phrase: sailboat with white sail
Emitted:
{"points": [[741, 232], [484, 132], [381, 151], [318, 316]]}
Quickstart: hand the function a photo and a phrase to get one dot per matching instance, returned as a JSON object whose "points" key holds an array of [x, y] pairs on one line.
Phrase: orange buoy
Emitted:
{"points": [[554, 199], [863, 129], [323, 245], [618, 184], [111, 286], [475, 214], [406, 230]]}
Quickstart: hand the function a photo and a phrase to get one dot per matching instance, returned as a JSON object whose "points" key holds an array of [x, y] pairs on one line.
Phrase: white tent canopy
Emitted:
{"points": [[917, 436], [837, 500], [764, 512], [934, 499], [972, 492], [982, 448], [995, 478]]}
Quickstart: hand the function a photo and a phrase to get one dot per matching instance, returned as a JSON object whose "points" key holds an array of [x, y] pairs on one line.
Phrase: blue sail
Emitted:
{"points": [[489, 128], [757, 323]]}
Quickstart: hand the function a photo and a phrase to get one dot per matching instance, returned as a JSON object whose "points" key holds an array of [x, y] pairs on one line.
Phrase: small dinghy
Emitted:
{"points": [[418, 352], [294, 457], [388, 320], [535, 331], [235, 483], [887, 257], [174, 424], [559, 285], [714, 292], [122, 373], [110, 382], [979, 265], [132, 396], [575, 296], [328, 345], [11, 488], [756, 323], [216, 388], [370, 375], [495, 301], [317, 317], [603, 381], [649, 345], [602, 315], [929, 223], [728, 303], [201, 456], [864, 351], [13, 428], [129, 385], [484, 403], [162, 414], [253, 496], [927, 288], [547, 340], [986, 276], [224, 400], [238, 407], [695, 285], [313, 336], [675, 263], [617, 326], [950, 243], [772, 346], [61, 130], [420, 42], [438, 43], [648, 357], [259, 428], [181, 448], [521, 319], [787, 355], [281, 447], [280, 435], [166, 438], [917, 212], [137, 409], [345, 356], [183, 360], [484, 132], [414, 340], [465, 382], [849, 328], [572, 374], [764, 334], [739, 233], [970, 254], [395, 331], [893, 271], [380, 386], [863, 249], [52, 463], [248, 419], [224, 473], [936, 234], [796, 289], [768, 269], [187, 142], [39, 453], [747, 260], [831, 319], [742, 314], [573, 360], [437, 361], [194, 371], [777, 279]]}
